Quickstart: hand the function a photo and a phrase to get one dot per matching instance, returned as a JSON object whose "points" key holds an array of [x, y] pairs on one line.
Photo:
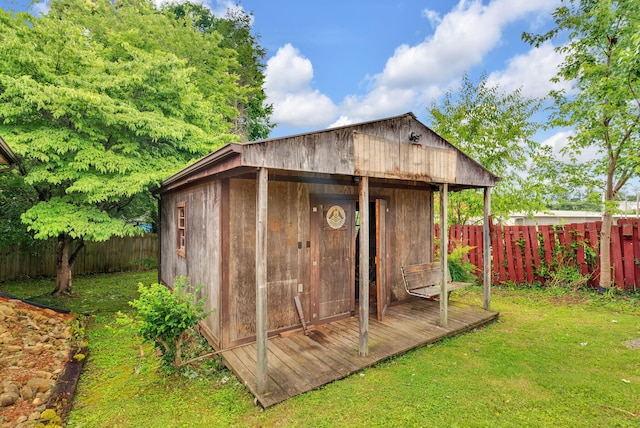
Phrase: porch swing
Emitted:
{"points": [[424, 279]]}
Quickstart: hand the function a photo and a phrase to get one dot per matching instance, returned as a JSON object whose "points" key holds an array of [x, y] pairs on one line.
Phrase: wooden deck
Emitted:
{"points": [[299, 363]]}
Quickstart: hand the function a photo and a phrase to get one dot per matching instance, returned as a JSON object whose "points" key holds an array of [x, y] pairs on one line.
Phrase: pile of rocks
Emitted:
{"points": [[35, 345]]}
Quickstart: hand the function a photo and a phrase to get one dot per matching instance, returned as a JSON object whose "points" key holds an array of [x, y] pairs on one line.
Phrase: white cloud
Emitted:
{"points": [[461, 40], [41, 9], [342, 121], [287, 84], [434, 17], [560, 139], [414, 74], [420, 73], [531, 71], [220, 7]]}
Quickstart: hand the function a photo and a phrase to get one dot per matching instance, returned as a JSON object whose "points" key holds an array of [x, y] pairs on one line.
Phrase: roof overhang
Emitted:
{"points": [[398, 150], [7, 157]]}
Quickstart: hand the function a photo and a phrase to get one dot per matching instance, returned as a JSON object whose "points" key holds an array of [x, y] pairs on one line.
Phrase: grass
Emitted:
{"points": [[552, 359]]}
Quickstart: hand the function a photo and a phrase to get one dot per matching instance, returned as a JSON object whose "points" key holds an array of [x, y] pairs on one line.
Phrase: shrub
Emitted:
{"points": [[167, 317], [461, 270]]}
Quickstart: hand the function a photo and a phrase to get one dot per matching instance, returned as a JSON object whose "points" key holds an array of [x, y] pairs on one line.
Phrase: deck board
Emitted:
{"points": [[299, 363]]}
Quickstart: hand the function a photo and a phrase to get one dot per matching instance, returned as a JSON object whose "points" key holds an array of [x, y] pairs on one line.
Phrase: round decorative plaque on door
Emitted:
{"points": [[336, 217]]}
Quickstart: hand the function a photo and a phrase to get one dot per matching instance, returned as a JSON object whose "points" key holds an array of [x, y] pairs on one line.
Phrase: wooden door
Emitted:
{"points": [[383, 289], [332, 260]]}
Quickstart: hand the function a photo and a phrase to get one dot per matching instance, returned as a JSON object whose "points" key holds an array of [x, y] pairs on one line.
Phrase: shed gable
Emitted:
{"points": [[380, 158], [396, 148]]}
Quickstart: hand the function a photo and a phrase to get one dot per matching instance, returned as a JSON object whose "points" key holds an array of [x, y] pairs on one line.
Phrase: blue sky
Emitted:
{"points": [[339, 62], [336, 62]]}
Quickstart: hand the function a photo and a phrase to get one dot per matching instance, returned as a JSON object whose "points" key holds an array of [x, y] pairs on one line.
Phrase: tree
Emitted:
{"points": [[495, 128], [99, 113], [15, 198], [253, 122], [601, 62]]}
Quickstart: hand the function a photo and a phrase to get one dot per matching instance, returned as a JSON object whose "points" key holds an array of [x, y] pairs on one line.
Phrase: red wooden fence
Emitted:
{"points": [[526, 254]]}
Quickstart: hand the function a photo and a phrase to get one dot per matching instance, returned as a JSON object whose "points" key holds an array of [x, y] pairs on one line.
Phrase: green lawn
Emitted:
{"points": [[552, 359]]}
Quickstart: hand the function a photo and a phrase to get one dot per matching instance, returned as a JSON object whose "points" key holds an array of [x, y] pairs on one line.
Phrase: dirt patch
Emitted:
{"points": [[568, 299], [632, 344], [36, 347]]}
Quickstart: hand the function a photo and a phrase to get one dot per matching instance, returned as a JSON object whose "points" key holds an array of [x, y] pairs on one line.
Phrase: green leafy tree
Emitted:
{"points": [[99, 112], [601, 62], [235, 29], [496, 129], [15, 198]]}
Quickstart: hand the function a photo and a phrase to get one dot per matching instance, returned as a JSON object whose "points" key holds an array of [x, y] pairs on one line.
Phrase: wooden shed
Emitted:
{"points": [[300, 243]]}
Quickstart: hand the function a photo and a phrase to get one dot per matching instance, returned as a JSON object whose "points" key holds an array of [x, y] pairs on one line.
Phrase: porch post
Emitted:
{"points": [[262, 182], [363, 316], [486, 250], [444, 254]]}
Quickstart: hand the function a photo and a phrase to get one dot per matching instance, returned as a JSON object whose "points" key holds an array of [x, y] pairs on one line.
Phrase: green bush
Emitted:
{"points": [[167, 317], [461, 270]]}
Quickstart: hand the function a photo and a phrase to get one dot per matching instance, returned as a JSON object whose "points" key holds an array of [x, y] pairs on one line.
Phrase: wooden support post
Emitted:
{"points": [[262, 182], [486, 249], [444, 253], [363, 316]]}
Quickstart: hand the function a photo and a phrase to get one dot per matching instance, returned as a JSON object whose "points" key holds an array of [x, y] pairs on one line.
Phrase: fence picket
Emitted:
{"points": [[527, 249], [626, 230], [636, 254]]}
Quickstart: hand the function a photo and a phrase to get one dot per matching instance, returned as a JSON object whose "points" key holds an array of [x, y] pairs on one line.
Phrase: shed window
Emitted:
{"points": [[181, 228]]}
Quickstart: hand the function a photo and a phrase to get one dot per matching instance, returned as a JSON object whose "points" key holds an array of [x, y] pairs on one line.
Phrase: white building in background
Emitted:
{"points": [[559, 217]]}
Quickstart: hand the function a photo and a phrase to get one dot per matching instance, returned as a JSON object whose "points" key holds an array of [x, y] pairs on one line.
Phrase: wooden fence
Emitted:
{"points": [[114, 255], [520, 254], [526, 254]]}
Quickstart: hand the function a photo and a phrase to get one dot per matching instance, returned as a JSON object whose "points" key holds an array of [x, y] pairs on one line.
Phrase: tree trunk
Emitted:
{"points": [[63, 268], [605, 252]]}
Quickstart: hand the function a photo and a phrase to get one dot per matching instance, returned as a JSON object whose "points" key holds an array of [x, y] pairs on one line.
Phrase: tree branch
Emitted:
{"points": [[74, 255]]}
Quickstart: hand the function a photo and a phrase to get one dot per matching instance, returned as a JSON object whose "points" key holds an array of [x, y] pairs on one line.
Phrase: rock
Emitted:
{"points": [[10, 387], [26, 392], [42, 374], [33, 350], [39, 384], [7, 309], [13, 348], [8, 398]]}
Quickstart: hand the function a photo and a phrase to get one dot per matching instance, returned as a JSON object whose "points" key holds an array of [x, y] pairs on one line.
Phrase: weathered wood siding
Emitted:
{"points": [[409, 234], [240, 310], [289, 245], [396, 148], [377, 157], [322, 152], [202, 259], [288, 242]]}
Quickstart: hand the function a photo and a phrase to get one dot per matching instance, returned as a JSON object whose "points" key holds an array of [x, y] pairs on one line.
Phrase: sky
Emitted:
{"points": [[337, 62], [334, 63]]}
